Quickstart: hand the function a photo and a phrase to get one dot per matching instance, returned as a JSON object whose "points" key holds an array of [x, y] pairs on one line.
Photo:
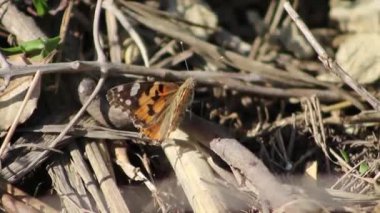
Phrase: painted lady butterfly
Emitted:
{"points": [[156, 108]]}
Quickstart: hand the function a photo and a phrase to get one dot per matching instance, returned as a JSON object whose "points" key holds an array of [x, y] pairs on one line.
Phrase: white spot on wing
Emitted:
{"points": [[128, 102], [120, 88], [135, 89]]}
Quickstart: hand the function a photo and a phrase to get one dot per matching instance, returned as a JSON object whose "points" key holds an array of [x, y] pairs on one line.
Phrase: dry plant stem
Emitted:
{"points": [[175, 59], [82, 169], [376, 177], [36, 146], [113, 37], [96, 132], [346, 174], [95, 33], [192, 171], [329, 63], [194, 175], [65, 22], [365, 117], [107, 184], [33, 84], [259, 39], [63, 28], [277, 17], [207, 78], [273, 26], [254, 170], [110, 6], [132, 172], [166, 48], [65, 180]]}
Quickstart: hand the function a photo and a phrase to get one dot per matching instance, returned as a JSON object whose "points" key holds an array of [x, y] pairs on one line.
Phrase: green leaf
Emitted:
{"points": [[363, 168], [34, 47], [41, 7], [50, 45], [344, 155]]}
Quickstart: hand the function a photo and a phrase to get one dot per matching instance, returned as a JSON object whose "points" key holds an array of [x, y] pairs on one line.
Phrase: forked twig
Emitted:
{"points": [[330, 63]]}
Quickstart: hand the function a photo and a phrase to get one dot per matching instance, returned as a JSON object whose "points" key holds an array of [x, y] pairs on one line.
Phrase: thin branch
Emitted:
{"points": [[329, 63], [260, 38], [223, 79], [113, 37], [95, 33]]}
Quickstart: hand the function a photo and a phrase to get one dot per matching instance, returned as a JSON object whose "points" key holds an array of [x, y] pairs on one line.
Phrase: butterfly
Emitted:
{"points": [[156, 108]]}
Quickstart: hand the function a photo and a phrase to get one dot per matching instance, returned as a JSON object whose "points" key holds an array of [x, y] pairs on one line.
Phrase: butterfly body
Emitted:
{"points": [[156, 108]]}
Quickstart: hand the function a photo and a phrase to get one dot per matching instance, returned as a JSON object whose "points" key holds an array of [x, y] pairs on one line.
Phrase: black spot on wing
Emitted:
{"points": [[161, 88], [151, 111], [156, 95]]}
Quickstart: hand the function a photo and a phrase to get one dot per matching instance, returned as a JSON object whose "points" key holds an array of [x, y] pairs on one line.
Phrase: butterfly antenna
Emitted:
{"points": [[183, 50], [187, 68]]}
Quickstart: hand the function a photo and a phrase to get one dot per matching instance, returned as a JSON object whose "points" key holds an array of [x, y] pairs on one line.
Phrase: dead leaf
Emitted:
{"points": [[356, 16], [198, 12], [360, 57], [11, 99]]}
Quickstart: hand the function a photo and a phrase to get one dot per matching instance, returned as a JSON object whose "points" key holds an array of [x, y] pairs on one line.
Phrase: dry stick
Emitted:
{"points": [[87, 177], [206, 78], [273, 26], [329, 63], [259, 39], [12, 129], [101, 59], [110, 6], [132, 172], [277, 18], [113, 37]]}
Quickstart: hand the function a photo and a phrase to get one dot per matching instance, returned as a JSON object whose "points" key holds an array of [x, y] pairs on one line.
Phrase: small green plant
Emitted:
{"points": [[39, 47]]}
